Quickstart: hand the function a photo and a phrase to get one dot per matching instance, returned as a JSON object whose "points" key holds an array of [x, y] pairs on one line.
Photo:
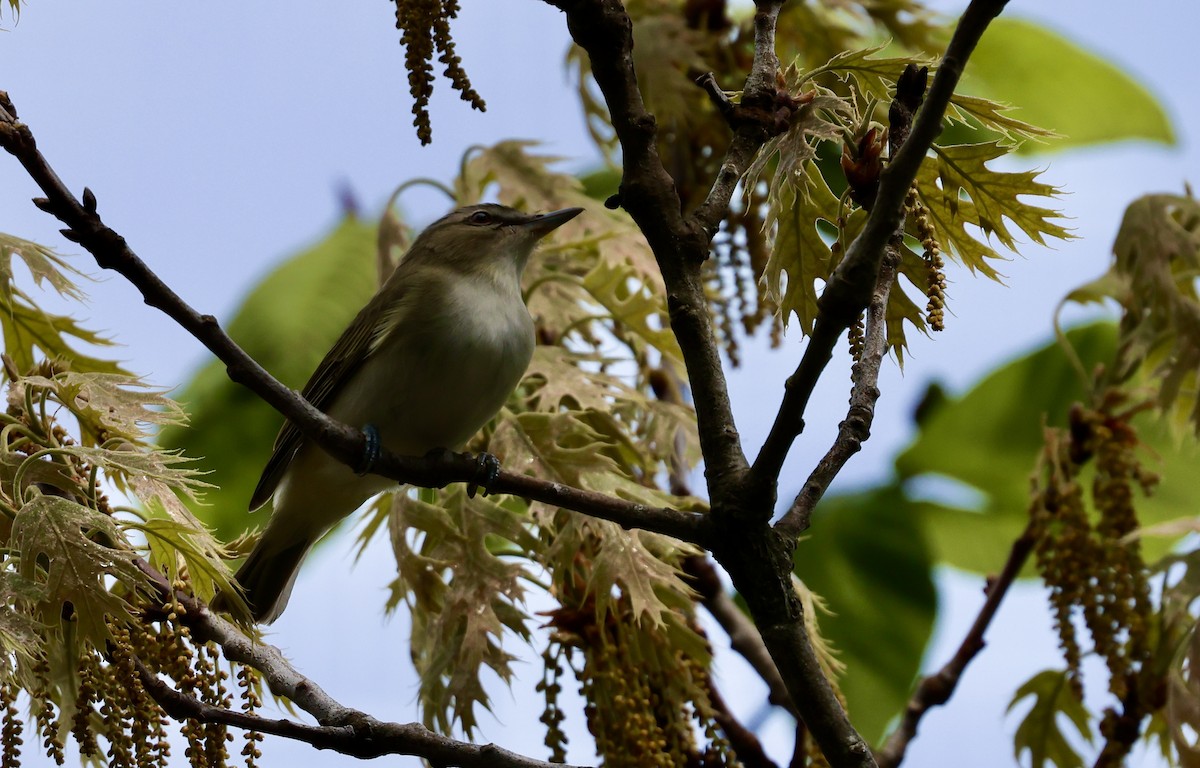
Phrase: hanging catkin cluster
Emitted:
{"points": [[425, 27]]}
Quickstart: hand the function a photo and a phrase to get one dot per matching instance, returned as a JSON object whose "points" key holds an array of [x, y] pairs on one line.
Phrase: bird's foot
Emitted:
{"points": [[370, 451], [486, 472]]}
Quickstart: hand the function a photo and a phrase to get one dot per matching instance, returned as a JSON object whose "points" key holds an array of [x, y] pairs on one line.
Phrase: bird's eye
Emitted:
{"points": [[480, 217]]}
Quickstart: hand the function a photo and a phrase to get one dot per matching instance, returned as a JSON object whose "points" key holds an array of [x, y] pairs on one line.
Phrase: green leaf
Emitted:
{"points": [[462, 596], [801, 256], [26, 326], [867, 559], [988, 440], [286, 323], [21, 635], [959, 190], [1040, 733], [69, 551], [1011, 63]]}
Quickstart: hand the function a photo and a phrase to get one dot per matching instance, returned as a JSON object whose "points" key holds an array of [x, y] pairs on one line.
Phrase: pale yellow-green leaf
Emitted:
{"points": [[70, 551], [462, 596], [1040, 732], [801, 257], [1152, 277], [110, 404], [873, 76], [21, 635], [633, 305]]}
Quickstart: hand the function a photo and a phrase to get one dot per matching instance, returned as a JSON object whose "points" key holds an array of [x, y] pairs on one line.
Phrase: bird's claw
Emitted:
{"points": [[370, 451], [486, 472]]}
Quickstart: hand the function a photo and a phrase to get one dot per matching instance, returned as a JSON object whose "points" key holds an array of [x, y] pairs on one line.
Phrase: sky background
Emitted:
{"points": [[217, 138]]}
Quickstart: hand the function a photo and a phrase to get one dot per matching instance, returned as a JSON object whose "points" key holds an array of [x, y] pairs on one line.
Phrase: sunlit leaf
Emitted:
{"points": [[69, 550]]}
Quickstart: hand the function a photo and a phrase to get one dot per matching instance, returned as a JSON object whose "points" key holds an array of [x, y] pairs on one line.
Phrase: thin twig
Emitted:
{"points": [[936, 689], [850, 287], [340, 728], [856, 427], [345, 443], [360, 736]]}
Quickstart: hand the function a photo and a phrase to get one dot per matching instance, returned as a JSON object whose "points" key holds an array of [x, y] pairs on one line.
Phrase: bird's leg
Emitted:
{"points": [[370, 452], [486, 472]]}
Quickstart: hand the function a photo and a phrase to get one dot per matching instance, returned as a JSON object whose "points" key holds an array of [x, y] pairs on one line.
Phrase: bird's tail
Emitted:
{"points": [[267, 579]]}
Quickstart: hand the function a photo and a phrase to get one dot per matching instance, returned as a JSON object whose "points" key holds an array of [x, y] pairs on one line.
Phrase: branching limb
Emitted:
{"points": [[345, 443], [936, 689], [339, 728], [763, 112], [856, 427], [361, 736], [850, 287]]}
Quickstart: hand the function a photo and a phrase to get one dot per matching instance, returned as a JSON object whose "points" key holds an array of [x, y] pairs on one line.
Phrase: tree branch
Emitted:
{"points": [[764, 111], [936, 689], [856, 427], [743, 637], [340, 728], [343, 442], [604, 30], [850, 287], [360, 736]]}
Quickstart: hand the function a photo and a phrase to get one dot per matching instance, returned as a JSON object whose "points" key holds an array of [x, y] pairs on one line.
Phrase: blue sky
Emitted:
{"points": [[217, 137]]}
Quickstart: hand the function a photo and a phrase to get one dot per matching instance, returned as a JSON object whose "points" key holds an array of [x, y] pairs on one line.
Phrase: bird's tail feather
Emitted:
{"points": [[267, 579]]}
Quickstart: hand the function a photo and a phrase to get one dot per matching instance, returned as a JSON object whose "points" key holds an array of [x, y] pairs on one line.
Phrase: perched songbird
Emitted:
{"points": [[425, 364]]}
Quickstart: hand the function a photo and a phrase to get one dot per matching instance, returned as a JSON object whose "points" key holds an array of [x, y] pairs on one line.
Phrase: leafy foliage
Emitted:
{"points": [[1075, 100], [1040, 732], [27, 327], [965, 202], [1153, 279]]}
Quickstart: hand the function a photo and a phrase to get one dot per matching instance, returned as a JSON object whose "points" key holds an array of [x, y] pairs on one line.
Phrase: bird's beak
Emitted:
{"points": [[543, 224]]}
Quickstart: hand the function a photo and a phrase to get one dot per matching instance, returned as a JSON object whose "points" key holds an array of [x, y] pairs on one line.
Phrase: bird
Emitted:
{"points": [[429, 360]]}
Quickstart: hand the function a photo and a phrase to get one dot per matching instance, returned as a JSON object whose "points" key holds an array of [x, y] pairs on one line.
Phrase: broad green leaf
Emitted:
{"points": [[1010, 65], [988, 440], [1040, 732], [864, 552], [286, 323]]}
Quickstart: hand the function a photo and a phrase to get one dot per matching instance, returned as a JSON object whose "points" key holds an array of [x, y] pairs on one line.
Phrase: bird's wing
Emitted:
{"points": [[340, 363]]}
